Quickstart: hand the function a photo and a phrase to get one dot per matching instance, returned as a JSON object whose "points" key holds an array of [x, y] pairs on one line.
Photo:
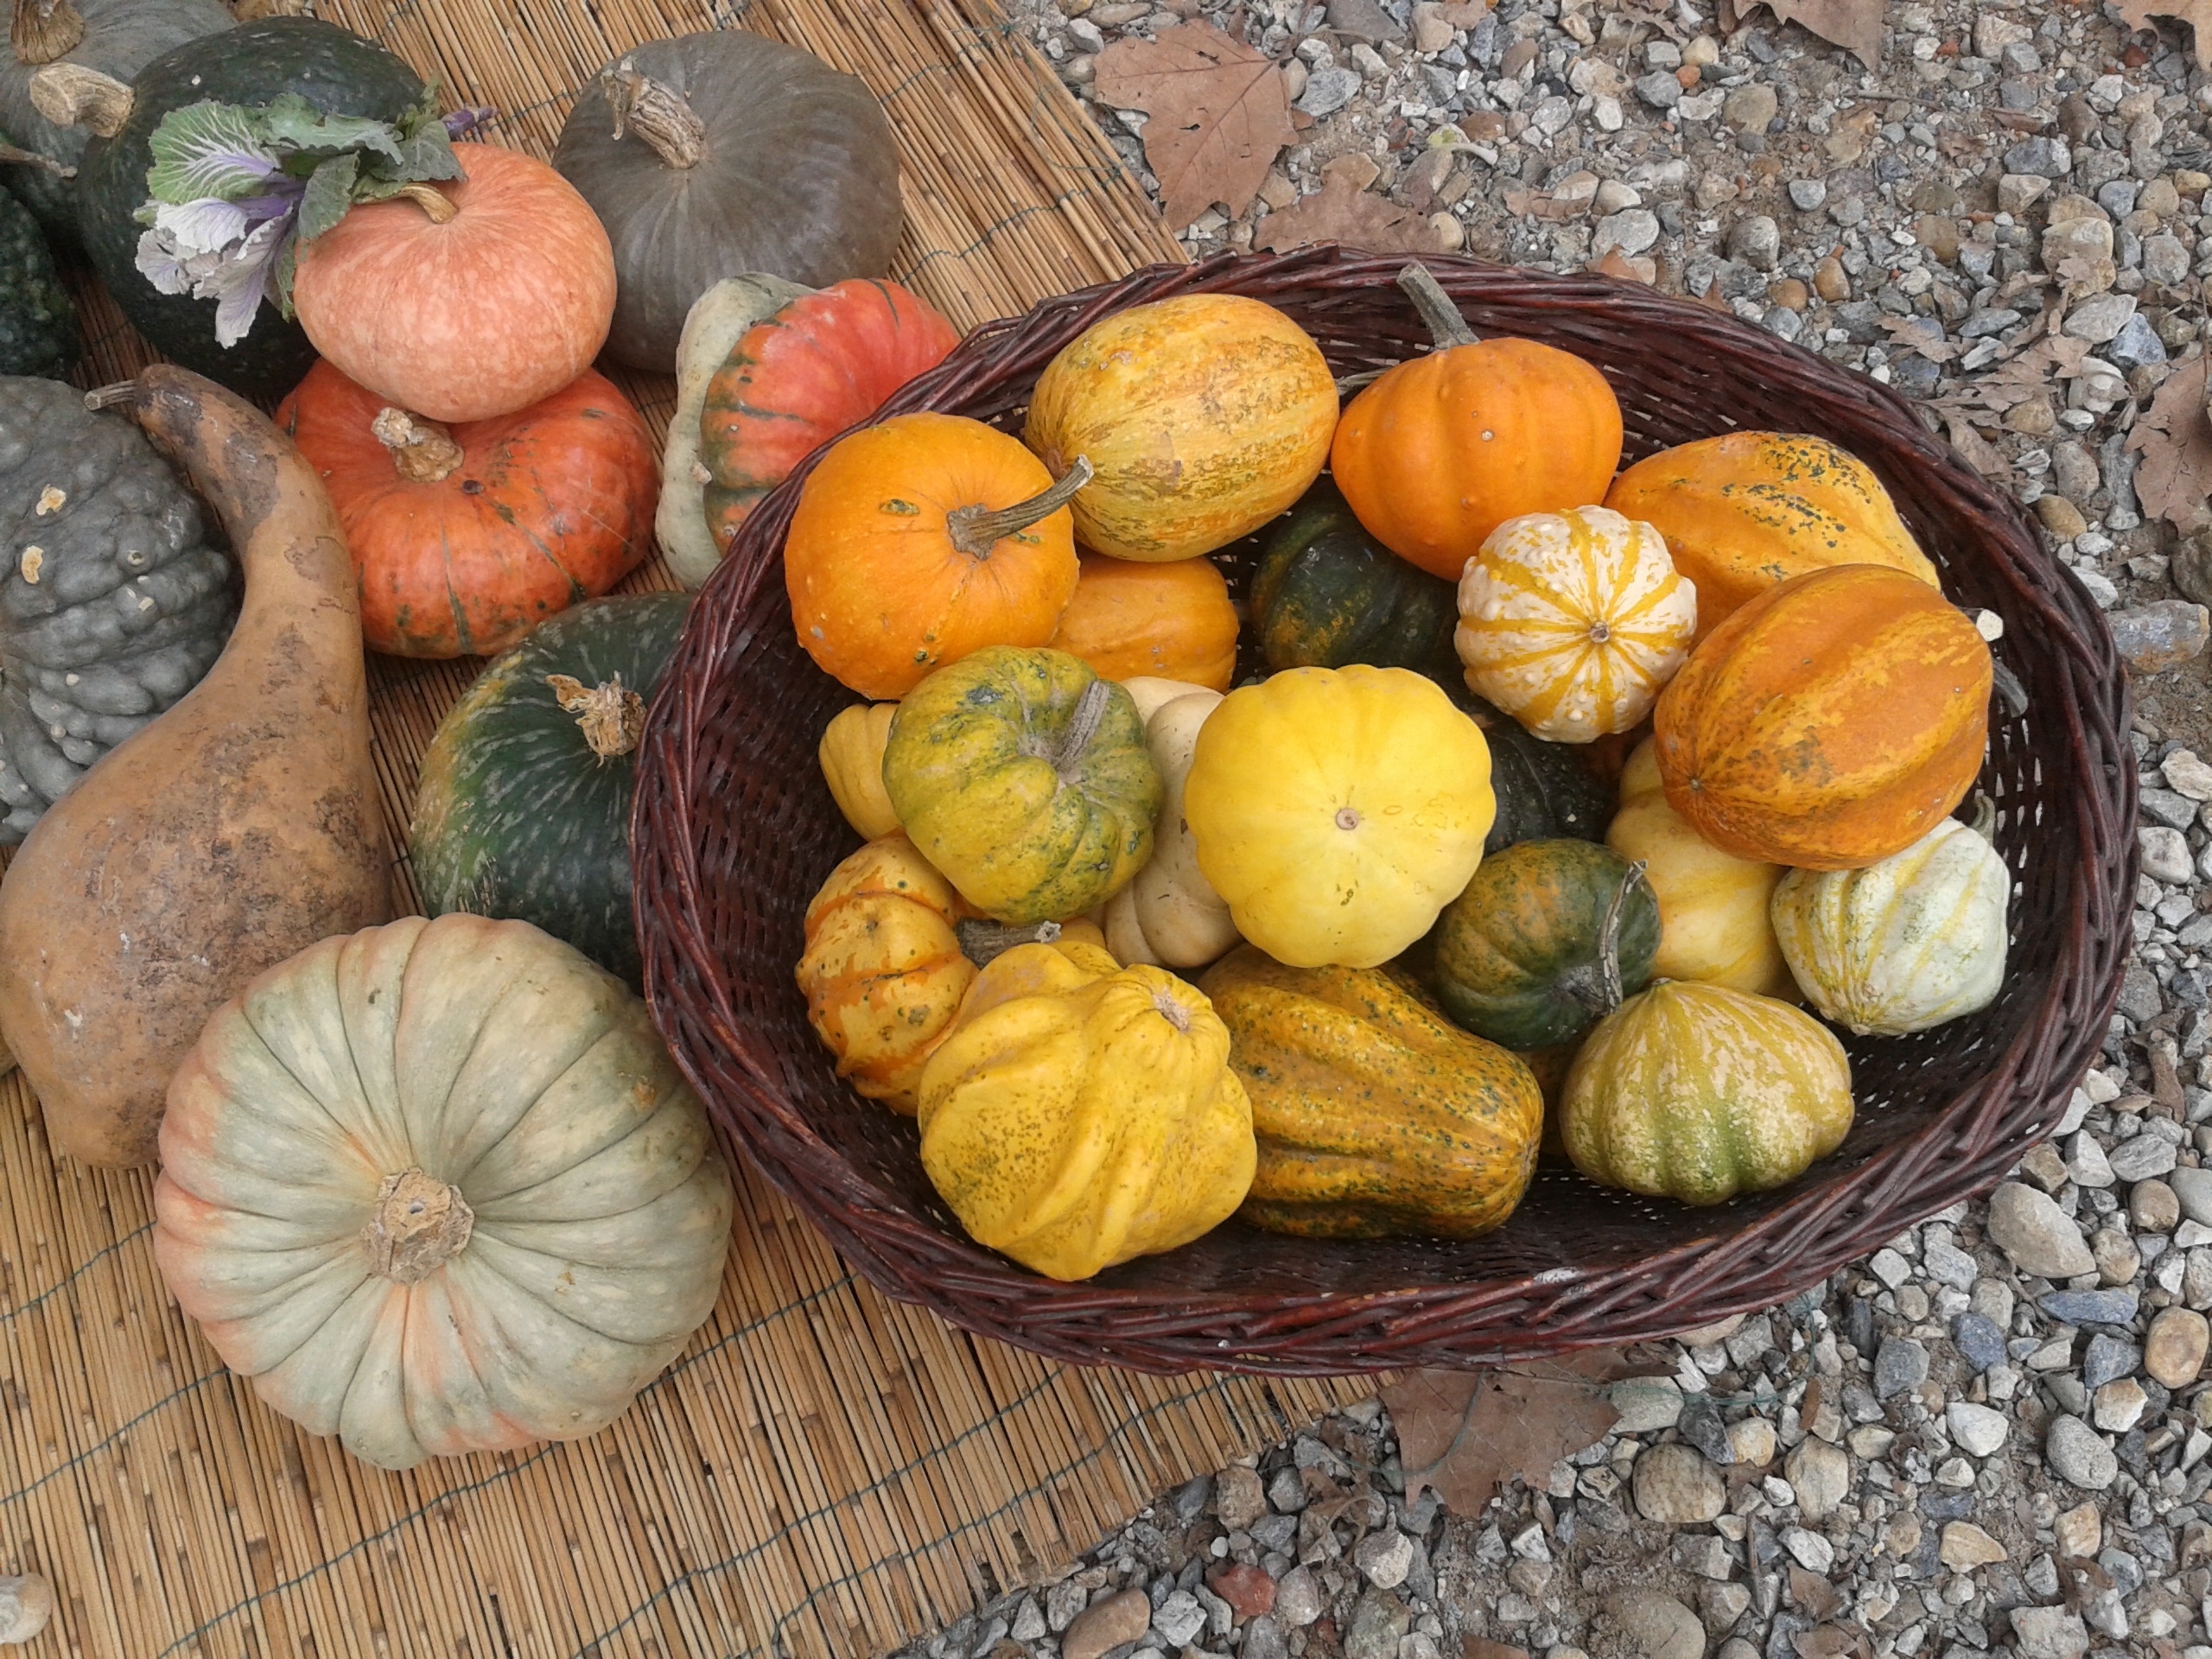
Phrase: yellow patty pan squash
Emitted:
{"points": [[1081, 1114], [1376, 1114], [852, 765], [1906, 943], [1697, 1092], [1025, 778], [1170, 915], [1714, 923], [1337, 810]]}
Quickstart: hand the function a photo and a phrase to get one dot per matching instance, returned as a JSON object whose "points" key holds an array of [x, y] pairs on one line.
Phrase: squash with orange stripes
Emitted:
{"points": [[1572, 622]]}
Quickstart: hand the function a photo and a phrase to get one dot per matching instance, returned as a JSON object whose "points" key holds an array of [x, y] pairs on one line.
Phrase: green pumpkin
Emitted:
{"points": [[38, 323], [1542, 790], [1024, 779], [1522, 955], [1325, 594], [522, 809]]}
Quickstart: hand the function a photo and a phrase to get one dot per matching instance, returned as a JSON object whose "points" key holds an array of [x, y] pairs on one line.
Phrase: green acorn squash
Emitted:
{"points": [[38, 323], [1325, 594], [522, 808], [1543, 791], [335, 70], [1544, 942]]}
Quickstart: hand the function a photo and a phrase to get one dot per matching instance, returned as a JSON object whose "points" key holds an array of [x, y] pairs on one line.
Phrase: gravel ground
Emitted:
{"points": [[1988, 1436]]}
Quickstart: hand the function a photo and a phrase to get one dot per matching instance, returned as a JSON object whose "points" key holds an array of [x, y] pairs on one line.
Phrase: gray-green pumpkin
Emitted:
{"points": [[38, 321]]}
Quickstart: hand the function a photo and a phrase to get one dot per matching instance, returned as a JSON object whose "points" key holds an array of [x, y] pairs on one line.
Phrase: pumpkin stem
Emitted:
{"points": [[433, 202], [1438, 314], [1090, 712], [659, 113], [14, 156], [980, 941], [422, 452], [419, 1224], [1597, 986], [612, 716], [41, 30], [70, 95], [976, 530], [1171, 1008], [123, 392]]}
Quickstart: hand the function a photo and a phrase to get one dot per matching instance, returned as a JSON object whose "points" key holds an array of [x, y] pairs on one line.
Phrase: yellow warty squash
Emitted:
{"points": [[1572, 622], [1713, 924], [852, 765], [1337, 810], [1081, 1114], [1170, 915]]}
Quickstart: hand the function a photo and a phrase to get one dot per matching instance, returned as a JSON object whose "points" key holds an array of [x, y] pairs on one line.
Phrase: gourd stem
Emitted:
{"points": [[70, 95], [1598, 986], [1089, 712], [433, 202], [612, 716], [123, 392], [13, 156], [422, 452], [419, 1223], [660, 115], [980, 941], [1438, 314], [41, 30], [976, 530]]}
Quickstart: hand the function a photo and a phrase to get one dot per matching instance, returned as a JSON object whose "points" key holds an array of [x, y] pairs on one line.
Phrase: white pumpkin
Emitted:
{"points": [[1170, 915], [1574, 622], [438, 1188], [1901, 945], [718, 319]]}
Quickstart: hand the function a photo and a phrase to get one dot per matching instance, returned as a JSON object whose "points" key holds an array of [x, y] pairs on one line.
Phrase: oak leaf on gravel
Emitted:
{"points": [[1464, 1433], [1218, 112], [2174, 478], [1340, 211], [1855, 25], [2197, 14]]}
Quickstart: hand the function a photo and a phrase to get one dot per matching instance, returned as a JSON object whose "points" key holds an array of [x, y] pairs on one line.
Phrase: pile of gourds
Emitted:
{"points": [[1558, 794]]}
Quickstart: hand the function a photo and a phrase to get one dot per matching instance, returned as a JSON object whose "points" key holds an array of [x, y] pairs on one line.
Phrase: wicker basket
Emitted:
{"points": [[735, 830]]}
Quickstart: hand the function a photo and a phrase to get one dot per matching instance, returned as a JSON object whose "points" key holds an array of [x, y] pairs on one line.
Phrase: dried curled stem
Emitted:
{"points": [[422, 452], [659, 114], [612, 716]]}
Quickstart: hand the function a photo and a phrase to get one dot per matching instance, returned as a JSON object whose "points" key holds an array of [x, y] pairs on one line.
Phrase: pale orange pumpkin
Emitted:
{"points": [[1172, 621], [464, 300]]}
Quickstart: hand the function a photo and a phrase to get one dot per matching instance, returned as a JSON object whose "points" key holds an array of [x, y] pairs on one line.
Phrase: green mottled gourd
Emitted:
{"points": [[38, 321]]}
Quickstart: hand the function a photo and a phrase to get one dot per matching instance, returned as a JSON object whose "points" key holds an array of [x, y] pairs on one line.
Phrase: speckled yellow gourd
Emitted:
{"points": [[1376, 1114], [851, 754], [1081, 1114], [1697, 1092]]}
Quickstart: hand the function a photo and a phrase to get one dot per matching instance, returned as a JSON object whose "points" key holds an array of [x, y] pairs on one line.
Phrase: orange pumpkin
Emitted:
{"points": [[1746, 510], [1172, 621], [1446, 447], [464, 300], [466, 537], [1831, 721], [921, 539]]}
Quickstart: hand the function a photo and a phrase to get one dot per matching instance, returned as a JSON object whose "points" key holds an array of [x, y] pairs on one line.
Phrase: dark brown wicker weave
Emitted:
{"points": [[735, 830]]}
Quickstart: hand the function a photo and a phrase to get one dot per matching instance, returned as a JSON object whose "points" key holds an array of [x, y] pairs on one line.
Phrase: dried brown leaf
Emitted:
{"points": [[1855, 25], [2197, 14], [1975, 450], [1475, 1647], [2174, 436], [1829, 1642], [1615, 263], [1465, 1434], [1339, 212], [1816, 1597], [1923, 335], [1465, 14], [1218, 112]]}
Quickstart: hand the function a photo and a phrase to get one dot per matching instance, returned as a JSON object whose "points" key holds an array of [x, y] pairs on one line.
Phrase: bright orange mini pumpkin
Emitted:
{"points": [[466, 537], [1172, 621], [1446, 447], [924, 538], [1829, 723], [463, 300]]}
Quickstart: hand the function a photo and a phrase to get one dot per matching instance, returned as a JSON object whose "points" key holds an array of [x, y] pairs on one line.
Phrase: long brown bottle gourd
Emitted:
{"points": [[235, 830]]}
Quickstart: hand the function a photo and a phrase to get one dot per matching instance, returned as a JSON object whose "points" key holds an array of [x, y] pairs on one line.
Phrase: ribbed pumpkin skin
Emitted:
{"points": [[1572, 621], [1831, 721], [821, 363], [1746, 510], [851, 753], [1204, 417], [550, 505], [1376, 1114], [1172, 621], [1713, 924], [1516, 954], [515, 815], [883, 975], [1446, 447], [1697, 1092], [1326, 593], [1901, 945]]}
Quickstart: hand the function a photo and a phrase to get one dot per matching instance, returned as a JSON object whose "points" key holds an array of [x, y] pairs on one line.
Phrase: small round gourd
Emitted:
{"points": [[1543, 788], [851, 754], [1172, 621], [436, 1188], [1570, 622], [1698, 1092], [38, 319], [1170, 915], [1325, 594], [1905, 944]]}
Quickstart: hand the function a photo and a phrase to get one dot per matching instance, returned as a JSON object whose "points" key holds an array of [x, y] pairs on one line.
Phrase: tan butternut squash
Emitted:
{"points": [[235, 830]]}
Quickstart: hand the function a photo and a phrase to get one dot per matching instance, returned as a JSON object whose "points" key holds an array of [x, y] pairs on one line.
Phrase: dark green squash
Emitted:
{"points": [[1325, 593], [1543, 791], [38, 323], [1544, 942], [335, 70], [522, 808]]}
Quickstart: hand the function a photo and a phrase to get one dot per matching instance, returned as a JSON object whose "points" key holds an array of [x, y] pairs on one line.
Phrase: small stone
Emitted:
{"points": [[1901, 1364], [1753, 1441], [1750, 107], [1871, 1442], [1364, 20], [2165, 857], [1379, 1623], [1756, 240], [1247, 1590], [27, 1603], [2035, 1234], [2142, 1158], [2173, 1352], [1657, 1626], [1063, 1602], [2193, 1187], [1659, 89], [1633, 230], [2076, 1454], [2079, 1531], [1238, 1499], [1297, 1598], [1329, 90], [2165, 260], [1705, 1555], [1120, 1618], [2089, 1306], [1809, 1549], [1737, 1648], [2107, 1359], [1980, 1344], [2161, 635], [1831, 281], [2043, 157], [2060, 517], [2137, 344], [2098, 318], [1821, 1476], [2152, 1207], [1978, 1431], [1677, 1484], [1263, 1639], [2049, 1633], [2018, 192], [1964, 1547], [1179, 1619], [1384, 1558], [1432, 30], [1703, 1427], [1645, 1405], [1286, 1492], [1808, 195], [1029, 1623], [2118, 1407]]}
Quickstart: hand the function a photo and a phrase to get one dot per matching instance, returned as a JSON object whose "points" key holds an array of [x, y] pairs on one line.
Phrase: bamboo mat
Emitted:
{"points": [[823, 1473]]}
